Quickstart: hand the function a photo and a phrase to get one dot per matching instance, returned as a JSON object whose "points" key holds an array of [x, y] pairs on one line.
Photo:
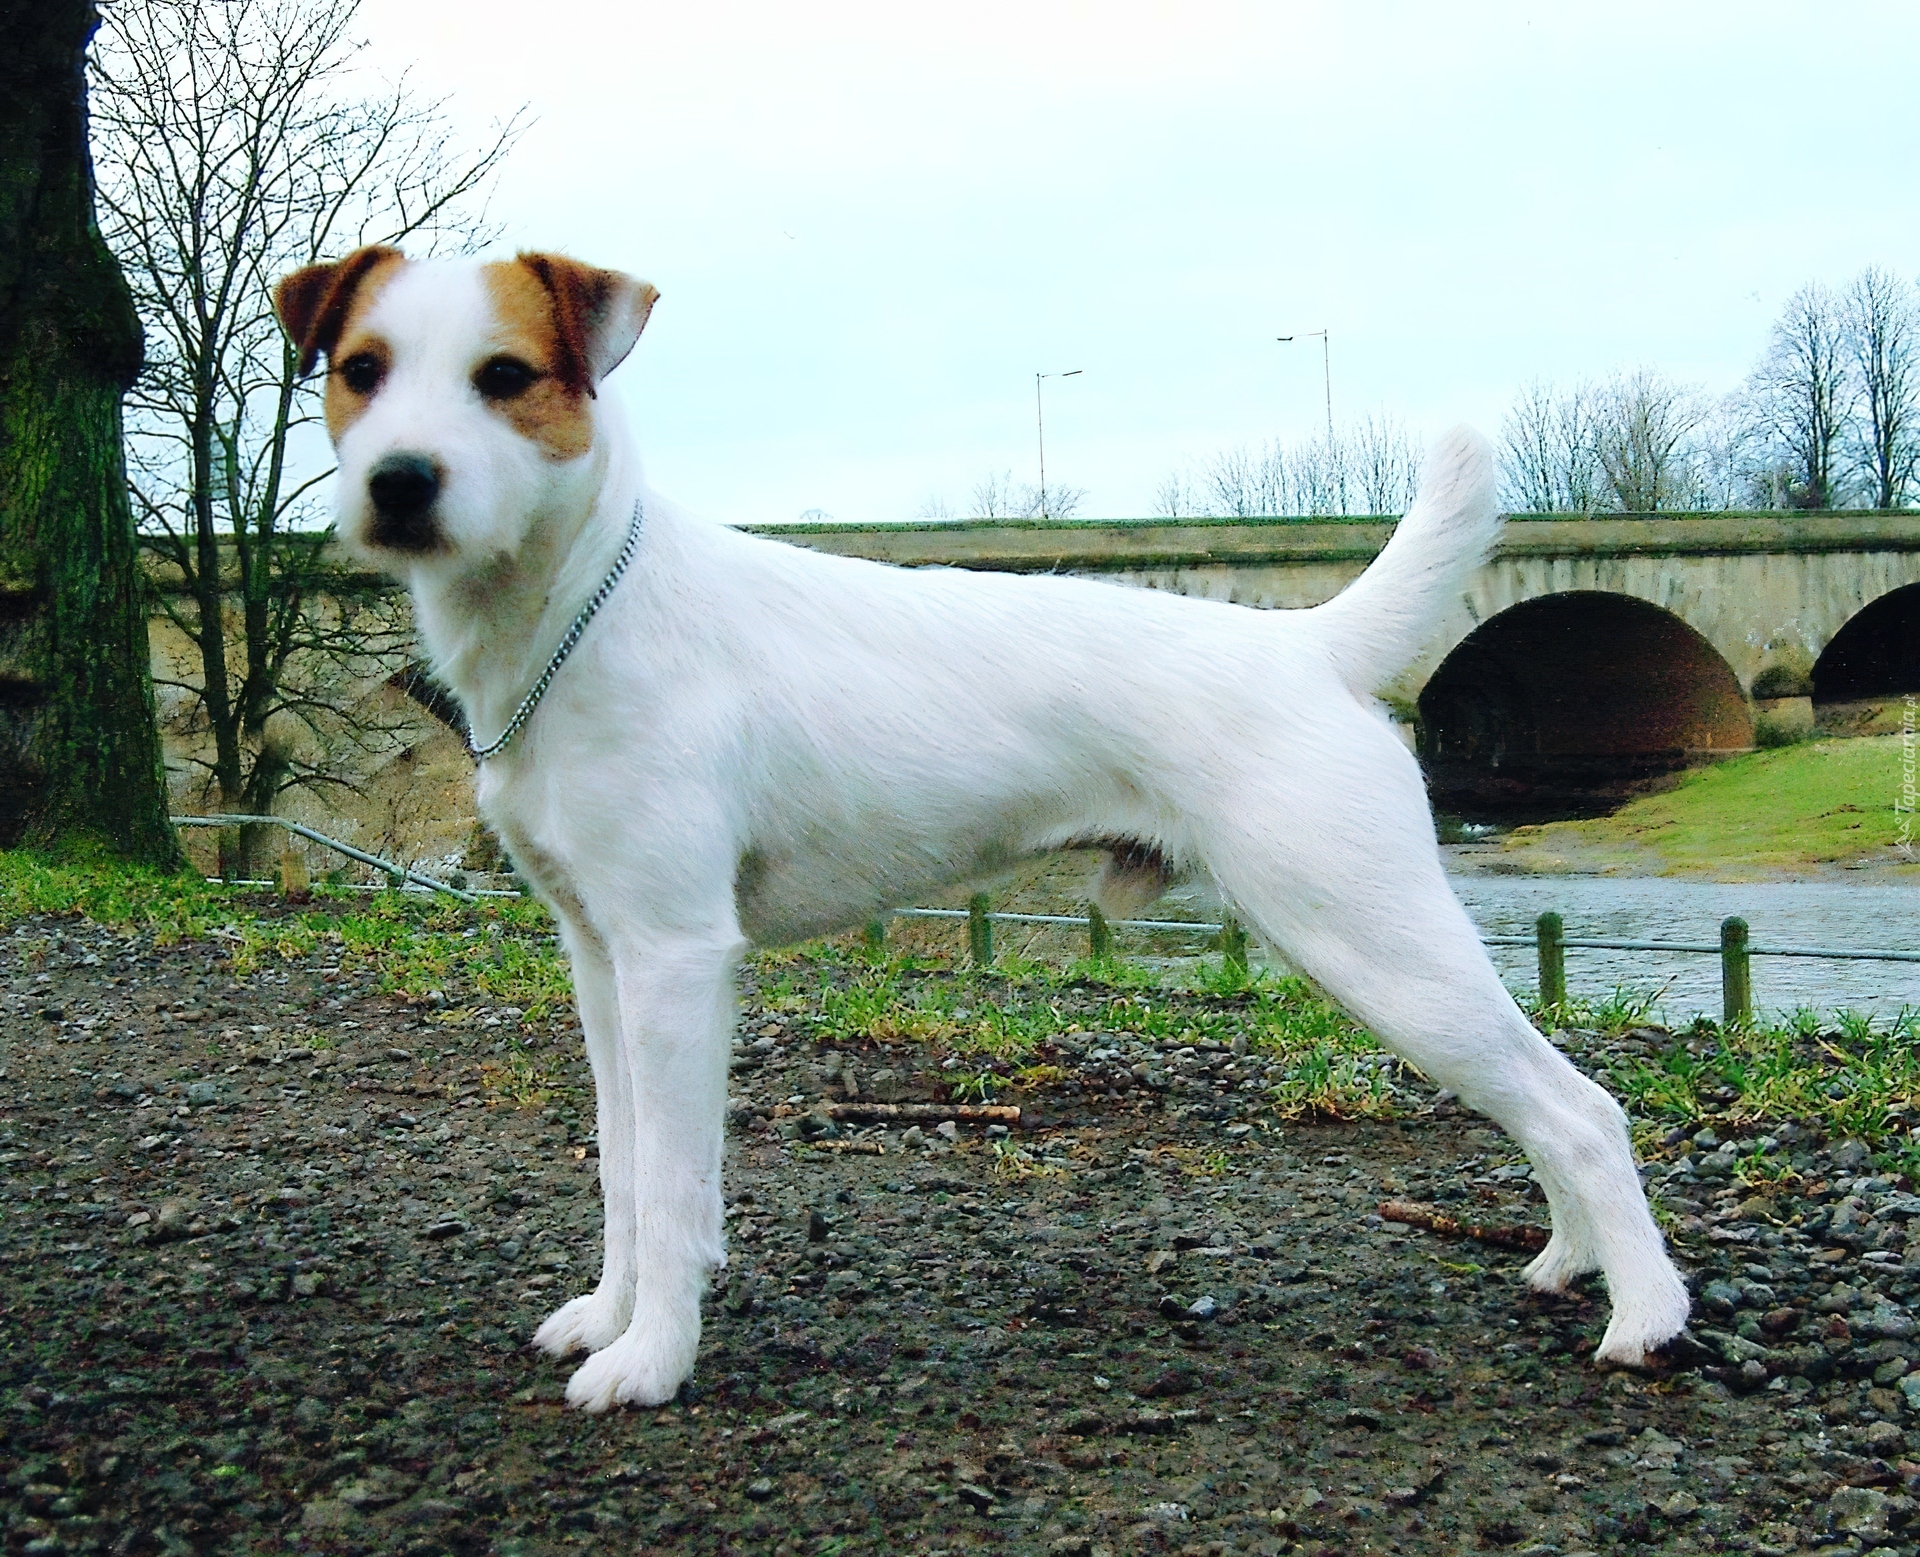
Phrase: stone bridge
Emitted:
{"points": [[1587, 656]]}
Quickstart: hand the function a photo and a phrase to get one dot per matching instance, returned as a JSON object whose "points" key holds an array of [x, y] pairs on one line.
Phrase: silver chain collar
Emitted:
{"points": [[539, 689]]}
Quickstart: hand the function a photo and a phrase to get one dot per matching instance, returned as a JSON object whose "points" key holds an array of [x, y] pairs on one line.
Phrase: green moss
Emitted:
{"points": [[82, 748]]}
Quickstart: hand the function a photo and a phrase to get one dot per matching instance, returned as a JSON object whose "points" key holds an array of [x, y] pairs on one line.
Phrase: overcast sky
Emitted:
{"points": [[871, 224]]}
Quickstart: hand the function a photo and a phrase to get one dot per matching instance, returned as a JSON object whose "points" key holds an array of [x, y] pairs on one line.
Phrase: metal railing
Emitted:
{"points": [[1734, 948], [981, 919], [392, 869]]}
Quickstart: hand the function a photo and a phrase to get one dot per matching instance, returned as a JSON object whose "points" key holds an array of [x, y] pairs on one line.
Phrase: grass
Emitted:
{"points": [[1013, 1161], [86, 881], [991, 1026], [1815, 803], [995, 1031], [503, 949], [1858, 1079], [520, 1079], [1622, 1009]]}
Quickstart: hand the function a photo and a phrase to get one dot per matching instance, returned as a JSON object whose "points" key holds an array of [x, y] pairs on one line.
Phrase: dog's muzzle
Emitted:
{"points": [[404, 488]]}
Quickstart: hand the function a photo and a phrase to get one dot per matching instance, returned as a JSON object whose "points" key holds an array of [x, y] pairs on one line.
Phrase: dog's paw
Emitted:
{"points": [[1644, 1321], [645, 1367], [1554, 1267], [588, 1323]]}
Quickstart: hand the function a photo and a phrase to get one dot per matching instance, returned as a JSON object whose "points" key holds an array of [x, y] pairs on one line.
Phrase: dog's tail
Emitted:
{"points": [[1379, 622]]}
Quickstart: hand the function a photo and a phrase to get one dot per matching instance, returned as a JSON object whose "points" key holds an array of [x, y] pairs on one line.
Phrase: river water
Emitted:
{"points": [[1778, 913]]}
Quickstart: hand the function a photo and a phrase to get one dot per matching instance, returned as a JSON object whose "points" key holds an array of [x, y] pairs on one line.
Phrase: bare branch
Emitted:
{"points": [[1803, 397], [233, 143], [1882, 323]]}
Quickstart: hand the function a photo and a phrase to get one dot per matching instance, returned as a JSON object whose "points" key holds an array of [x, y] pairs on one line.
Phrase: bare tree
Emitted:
{"points": [[1644, 424], [1836, 396], [1529, 459], [1245, 483], [1174, 498], [1803, 396], [1730, 468], [1883, 339], [1385, 465], [1371, 469], [1550, 452], [1583, 483], [1248, 482], [1320, 472], [237, 141], [999, 496]]}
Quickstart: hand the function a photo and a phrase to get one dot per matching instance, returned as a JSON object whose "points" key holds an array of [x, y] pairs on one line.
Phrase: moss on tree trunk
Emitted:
{"points": [[79, 746]]}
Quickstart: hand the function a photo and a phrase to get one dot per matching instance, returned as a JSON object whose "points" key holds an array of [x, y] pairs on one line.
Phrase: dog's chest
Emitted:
{"points": [[543, 868]]}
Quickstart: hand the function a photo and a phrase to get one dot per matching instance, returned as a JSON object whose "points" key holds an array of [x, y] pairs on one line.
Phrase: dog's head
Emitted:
{"points": [[459, 396]]}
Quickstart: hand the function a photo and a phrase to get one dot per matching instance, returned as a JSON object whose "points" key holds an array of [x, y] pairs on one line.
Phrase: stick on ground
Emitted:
{"points": [[1527, 1240], [921, 1113]]}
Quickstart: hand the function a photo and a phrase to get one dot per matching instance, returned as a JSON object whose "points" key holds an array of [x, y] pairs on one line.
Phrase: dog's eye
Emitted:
{"points": [[362, 372], [502, 378]]}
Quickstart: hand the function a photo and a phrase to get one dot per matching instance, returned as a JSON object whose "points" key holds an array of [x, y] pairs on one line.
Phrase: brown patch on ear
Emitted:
{"points": [[313, 304], [597, 316]]}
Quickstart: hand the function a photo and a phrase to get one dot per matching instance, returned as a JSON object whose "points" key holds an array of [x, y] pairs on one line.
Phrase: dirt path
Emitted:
{"points": [[272, 1248]]}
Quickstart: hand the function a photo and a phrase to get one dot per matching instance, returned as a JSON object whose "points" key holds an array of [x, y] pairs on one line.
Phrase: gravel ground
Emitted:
{"points": [[273, 1246]]}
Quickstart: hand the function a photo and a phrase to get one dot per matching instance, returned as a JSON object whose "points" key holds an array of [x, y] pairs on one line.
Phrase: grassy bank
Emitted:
{"points": [[1794, 808], [1018, 1031]]}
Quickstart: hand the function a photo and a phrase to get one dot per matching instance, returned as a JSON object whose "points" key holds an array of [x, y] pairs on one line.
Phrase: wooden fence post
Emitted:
{"points": [[1099, 936], [295, 884], [1550, 933], [226, 842], [1736, 973], [979, 931], [1233, 946]]}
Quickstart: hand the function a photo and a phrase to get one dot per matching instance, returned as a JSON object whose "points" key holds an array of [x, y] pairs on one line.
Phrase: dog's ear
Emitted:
{"points": [[312, 303], [597, 316]]}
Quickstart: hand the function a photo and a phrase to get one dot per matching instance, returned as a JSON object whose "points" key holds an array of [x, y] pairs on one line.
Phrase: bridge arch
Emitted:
{"points": [[1563, 703], [1875, 654]]}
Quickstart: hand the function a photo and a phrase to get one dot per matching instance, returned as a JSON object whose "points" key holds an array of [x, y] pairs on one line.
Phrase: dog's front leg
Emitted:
{"points": [[675, 1000], [601, 1316]]}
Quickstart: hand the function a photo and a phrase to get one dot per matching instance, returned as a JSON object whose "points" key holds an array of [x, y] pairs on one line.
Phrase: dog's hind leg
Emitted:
{"points": [[597, 1318], [1356, 896], [675, 999]]}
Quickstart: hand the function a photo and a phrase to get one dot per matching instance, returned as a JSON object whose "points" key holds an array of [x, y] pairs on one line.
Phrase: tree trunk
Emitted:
{"points": [[79, 744]]}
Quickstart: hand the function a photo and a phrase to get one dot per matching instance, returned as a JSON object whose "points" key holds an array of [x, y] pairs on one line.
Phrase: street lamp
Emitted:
{"points": [[1040, 426], [1326, 367]]}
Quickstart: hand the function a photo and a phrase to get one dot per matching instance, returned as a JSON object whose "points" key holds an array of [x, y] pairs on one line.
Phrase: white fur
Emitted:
{"points": [[756, 743]]}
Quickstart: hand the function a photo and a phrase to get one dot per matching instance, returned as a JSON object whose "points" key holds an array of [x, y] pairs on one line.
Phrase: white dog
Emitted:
{"points": [[755, 743]]}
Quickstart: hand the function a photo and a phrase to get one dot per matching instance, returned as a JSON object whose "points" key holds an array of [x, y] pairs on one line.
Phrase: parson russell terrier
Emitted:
{"points": [[753, 744]]}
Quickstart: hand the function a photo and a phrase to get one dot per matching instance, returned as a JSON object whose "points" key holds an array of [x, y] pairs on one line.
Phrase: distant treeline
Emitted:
{"points": [[1828, 418]]}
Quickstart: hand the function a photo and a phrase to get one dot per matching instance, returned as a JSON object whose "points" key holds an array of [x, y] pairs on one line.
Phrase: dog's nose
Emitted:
{"points": [[403, 488]]}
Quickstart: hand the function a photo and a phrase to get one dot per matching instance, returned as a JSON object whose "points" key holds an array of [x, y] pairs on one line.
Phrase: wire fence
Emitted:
{"points": [[1735, 947], [394, 872]]}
